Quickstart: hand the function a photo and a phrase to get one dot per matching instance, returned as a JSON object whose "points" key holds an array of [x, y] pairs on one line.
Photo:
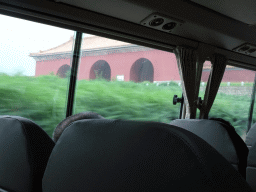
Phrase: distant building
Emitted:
{"points": [[109, 59], [112, 59], [232, 74]]}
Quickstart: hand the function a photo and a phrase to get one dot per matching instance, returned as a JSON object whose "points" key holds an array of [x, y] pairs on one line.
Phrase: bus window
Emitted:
{"points": [[234, 97], [204, 78], [120, 80], [252, 110], [34, 79]]}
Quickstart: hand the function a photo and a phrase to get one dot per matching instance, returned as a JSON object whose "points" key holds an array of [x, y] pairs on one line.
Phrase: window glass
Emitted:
{"points": [[120, 80], [34, 71], [254, 109], [232, 102], [204, 78]]}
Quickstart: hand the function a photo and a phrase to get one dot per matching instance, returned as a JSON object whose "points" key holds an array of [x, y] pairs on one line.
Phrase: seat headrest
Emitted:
{"points": [[251, 144], [252, 156], [213, 133], [66, 122], [222, 136], [251, 136], [117, 155], [24, 151]]}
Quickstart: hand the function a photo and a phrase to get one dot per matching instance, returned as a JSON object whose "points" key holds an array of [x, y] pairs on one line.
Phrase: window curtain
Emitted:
{"points": [[186, 60], [199, 67], [217, 71]]}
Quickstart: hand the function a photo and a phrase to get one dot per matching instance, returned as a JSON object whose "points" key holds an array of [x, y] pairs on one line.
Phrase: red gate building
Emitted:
{"points": [[111, 59]]}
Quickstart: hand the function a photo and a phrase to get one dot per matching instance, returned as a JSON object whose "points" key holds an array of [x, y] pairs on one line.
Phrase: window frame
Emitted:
{"points": [[34, 11]]}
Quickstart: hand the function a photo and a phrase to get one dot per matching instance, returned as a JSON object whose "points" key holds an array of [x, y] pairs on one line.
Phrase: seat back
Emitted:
{"points": [[221, 137], [251, 136], [251, 163], [116, 155], [24, 151], [251, 167]]}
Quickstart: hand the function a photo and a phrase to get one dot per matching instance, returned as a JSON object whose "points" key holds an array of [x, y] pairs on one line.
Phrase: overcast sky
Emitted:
{"points": [[19, 38]]}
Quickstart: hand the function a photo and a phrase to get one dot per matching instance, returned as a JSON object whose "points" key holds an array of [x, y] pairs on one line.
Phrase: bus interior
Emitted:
{"points": [[125, 95]]}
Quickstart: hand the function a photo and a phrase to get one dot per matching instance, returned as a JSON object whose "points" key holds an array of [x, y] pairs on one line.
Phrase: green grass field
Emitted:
{"points": [[43, 99]]}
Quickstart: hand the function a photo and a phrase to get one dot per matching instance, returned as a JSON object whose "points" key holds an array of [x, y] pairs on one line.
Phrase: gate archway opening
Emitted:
{"points": [[100, 70], [142, 70], [63, 70]]}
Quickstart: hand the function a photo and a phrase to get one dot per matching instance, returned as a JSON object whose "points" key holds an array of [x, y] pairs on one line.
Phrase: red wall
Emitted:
{"points": [[164, 63], [46, 67], [233, 75]]}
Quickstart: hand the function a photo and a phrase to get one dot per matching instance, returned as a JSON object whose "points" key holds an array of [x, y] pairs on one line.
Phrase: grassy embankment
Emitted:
{"points": [[43, 99]]}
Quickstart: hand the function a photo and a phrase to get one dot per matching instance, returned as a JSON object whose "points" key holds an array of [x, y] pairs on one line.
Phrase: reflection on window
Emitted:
{"points": [[234, 96], [34, 76], [126, 81]]}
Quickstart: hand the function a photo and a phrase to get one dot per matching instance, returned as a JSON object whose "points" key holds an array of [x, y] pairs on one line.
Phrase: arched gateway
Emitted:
{"points": [[142, 70], [62, 71], [100, 69]]}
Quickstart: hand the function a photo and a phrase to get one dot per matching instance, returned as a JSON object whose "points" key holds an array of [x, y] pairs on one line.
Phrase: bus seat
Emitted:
{"points": [[251, 136], [224, 139], [251, 163], [121, 155], [24, 151], [251, 167]]}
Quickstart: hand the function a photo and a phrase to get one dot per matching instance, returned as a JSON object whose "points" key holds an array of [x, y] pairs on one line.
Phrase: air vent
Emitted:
{"points": [[246, 49], [162, 22]]}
